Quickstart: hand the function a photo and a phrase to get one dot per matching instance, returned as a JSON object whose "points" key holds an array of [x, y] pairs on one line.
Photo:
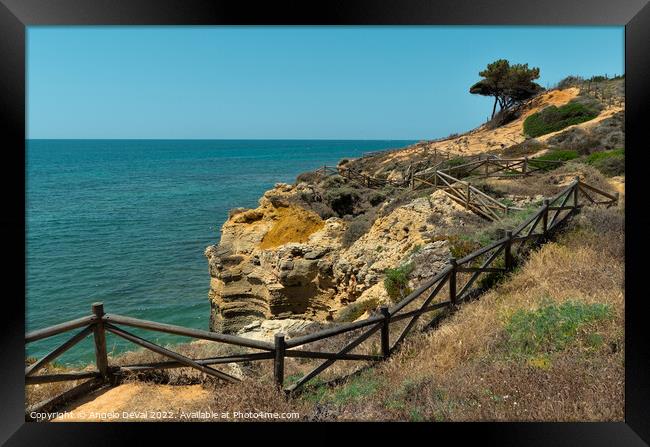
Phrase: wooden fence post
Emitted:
{"points": [[101, 357], [468, 195], [545, 216], [525, 167], [385, 334], [507, 209], [278, 361], [575, 192], [452, 281], [508, 250]]}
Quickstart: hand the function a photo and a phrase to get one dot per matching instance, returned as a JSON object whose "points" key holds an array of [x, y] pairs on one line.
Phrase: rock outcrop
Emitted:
{"points": [[281, 261]]}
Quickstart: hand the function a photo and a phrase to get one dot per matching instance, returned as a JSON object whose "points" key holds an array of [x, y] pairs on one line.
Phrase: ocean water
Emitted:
{"points": [[126, 222]]}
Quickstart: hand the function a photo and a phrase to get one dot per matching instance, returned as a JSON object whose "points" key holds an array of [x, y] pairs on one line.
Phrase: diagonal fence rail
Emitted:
{"points": [[459, 275], [426, 174]]}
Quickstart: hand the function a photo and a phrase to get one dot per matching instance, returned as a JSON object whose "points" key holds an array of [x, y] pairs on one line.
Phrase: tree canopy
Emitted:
{"points": [[509, 84]]}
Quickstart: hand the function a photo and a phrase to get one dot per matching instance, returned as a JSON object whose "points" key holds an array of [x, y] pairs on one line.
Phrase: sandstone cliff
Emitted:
{"points": [[282, 261], [311, 249]]}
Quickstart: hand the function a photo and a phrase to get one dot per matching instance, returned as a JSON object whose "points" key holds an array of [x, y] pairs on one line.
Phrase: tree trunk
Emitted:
{"points": [[494, 107]]}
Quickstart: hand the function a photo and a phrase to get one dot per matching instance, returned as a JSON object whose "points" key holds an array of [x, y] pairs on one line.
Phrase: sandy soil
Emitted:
{"points": [[482, 139], [136, 401]]}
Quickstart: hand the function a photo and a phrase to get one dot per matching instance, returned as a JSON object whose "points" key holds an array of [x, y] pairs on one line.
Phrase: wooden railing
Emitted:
{"points": [[472, 198], [440, 157], [539, 225], [483, 167]]}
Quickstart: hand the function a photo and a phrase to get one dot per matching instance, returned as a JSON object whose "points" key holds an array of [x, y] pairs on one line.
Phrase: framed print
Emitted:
{"points": [[370, 212]]}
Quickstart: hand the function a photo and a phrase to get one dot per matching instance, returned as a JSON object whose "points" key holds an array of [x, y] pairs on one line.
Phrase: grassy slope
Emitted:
{"points": [[471, 369]]}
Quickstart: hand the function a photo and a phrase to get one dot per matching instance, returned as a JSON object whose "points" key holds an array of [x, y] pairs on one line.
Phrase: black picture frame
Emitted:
{"points": [[15, 15]]}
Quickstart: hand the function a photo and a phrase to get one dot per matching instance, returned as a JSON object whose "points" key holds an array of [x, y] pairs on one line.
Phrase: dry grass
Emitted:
{"points": [[544, 183], [465, 369]]}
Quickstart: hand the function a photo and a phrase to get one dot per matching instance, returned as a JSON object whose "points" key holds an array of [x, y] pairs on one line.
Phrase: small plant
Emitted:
{"points": [[489, 280], [459, 245], [608, 162], [551, 327], [355, 389], [416, 249], [556, 155], [396, 281], [454, 163], [354, 310]]}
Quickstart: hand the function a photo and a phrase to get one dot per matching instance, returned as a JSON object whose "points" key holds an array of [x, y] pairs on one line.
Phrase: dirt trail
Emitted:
{"points": [[137, 401]]}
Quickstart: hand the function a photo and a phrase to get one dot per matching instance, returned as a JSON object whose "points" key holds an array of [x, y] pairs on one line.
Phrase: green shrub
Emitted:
{"points": [[396, 281], [608, 162], [459, 245], [456, 161], [551, 327], [453, 163], [354, 389], [611, 166], [489, 280], [556, 155], [552, 118]]}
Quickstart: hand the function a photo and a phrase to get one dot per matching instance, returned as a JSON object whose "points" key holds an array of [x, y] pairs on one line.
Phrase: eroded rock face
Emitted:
{"points": [[268, 263], [280, 261]]}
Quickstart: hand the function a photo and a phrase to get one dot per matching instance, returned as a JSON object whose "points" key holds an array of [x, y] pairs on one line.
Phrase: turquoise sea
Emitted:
{"points": [[125, 222]]}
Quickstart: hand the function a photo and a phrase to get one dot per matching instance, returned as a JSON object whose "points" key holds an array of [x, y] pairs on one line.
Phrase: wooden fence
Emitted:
{"points": [[539, 225], [439, 176]]}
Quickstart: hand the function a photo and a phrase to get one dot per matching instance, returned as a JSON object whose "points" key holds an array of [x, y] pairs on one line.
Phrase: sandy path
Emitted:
{"points": [[137, 401]]}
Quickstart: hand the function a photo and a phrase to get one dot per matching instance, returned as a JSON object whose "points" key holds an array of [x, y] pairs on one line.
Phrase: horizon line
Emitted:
{"points": [[235, 139]]}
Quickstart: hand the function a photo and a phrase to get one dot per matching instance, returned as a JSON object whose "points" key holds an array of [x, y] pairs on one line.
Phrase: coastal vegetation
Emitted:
{"points": [[508, 84], [552, 118], [396, 281]]}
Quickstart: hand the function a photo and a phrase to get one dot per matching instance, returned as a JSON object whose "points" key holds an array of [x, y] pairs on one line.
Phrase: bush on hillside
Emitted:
{"points": [[556, 155], [354, 310], [552, 118], [550, 328], [309, 177], [569, 81], [608, 162], [396, 281]]}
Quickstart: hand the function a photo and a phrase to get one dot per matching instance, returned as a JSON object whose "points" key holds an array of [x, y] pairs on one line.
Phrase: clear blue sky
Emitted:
{"points": [[287, 82]]}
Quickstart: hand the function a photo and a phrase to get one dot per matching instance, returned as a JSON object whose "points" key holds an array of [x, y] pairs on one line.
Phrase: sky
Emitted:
{"points": [[408, 82]]}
